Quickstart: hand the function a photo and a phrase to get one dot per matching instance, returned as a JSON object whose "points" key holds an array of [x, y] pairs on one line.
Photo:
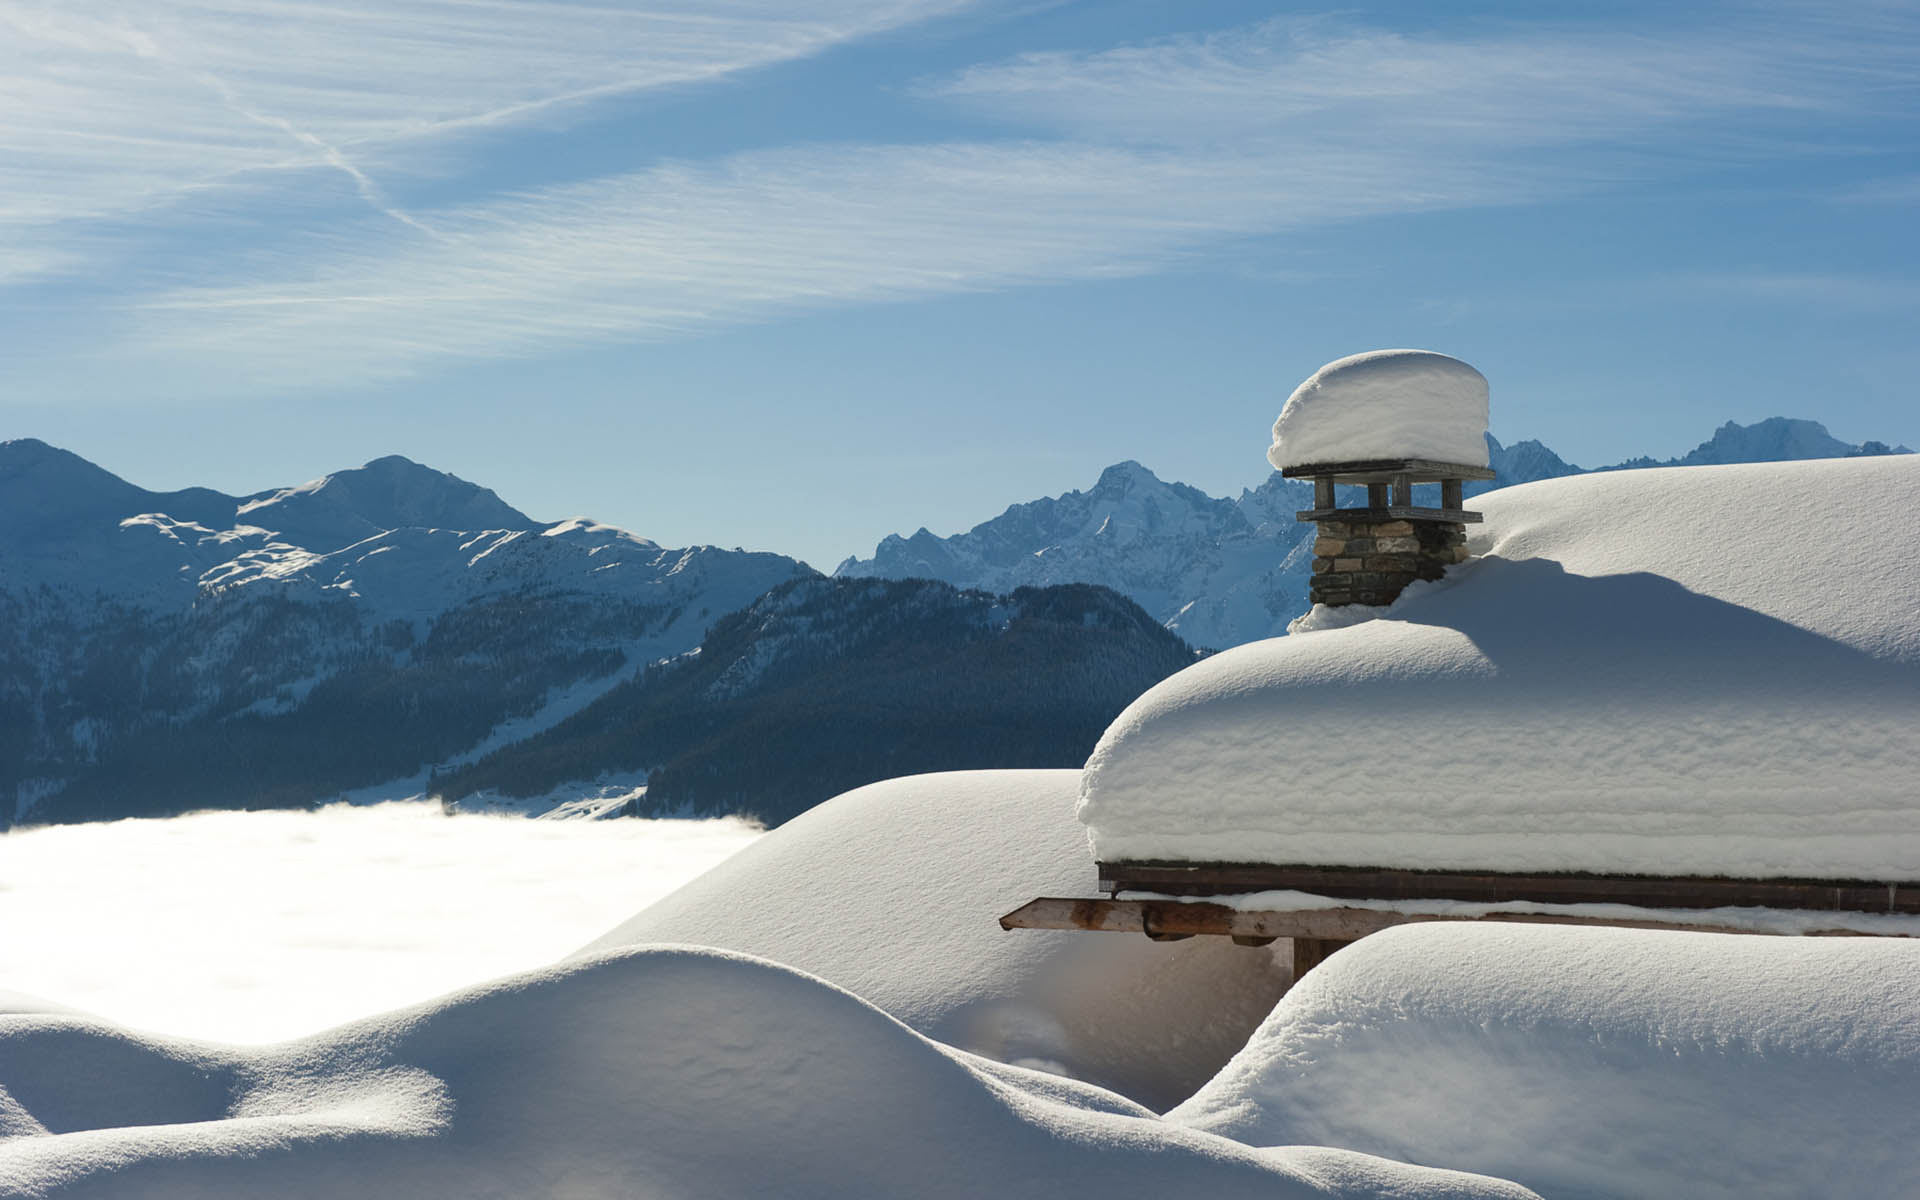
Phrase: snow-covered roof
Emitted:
{"points": [[1385, 404], [1687, 671], [1596, 1062]]}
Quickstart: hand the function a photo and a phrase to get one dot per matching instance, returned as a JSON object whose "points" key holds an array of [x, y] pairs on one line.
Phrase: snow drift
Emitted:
{"points": [[894, 891], [656, 1072], [1708, 670], [1596, 1063]]}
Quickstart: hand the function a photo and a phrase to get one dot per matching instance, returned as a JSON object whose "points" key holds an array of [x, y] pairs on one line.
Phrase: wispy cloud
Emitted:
{"points": [[672, 250], [1839, 291], [1160, 151], [1541, 85], [113, 108], [1151, 153], [1900, 189]]}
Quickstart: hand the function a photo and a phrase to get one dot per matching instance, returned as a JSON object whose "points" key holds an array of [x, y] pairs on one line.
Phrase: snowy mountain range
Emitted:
{"points": [[167, 651], [1220, 572], [1215, 571], [163, 651]]}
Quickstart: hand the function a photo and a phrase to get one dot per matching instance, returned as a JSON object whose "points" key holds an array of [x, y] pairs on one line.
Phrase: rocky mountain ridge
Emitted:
{"points": [[1224, 571], [164, 651]]}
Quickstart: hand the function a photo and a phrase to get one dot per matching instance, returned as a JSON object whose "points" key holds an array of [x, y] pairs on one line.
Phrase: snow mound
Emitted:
{"points": [[894, 892], [1704, 670], [645, 1073], [1597, 1062], [1385, 404]]}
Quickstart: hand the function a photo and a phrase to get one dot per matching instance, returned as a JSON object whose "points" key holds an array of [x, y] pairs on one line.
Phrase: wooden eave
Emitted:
{"points": [[1177, 920], [1482, 887], [1391, 512], [1386, 470]]}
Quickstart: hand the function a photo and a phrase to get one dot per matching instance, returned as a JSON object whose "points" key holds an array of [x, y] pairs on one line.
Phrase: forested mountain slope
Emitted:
{"points": [[823, 685]]}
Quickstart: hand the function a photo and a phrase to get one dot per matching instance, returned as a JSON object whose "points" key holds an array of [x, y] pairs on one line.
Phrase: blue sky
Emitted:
{"points": [[795, 274]]}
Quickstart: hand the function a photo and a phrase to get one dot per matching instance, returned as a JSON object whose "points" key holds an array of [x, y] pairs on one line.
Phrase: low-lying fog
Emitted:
{"points": [[267, 925]]}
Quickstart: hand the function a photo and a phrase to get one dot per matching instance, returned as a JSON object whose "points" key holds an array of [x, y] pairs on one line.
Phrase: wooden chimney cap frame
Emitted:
{"points": [[1389, 483]]}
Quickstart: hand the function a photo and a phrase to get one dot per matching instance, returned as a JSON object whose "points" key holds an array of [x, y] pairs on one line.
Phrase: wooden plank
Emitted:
{"points": [[1162, 917], [1382, 470], [1309, 953], [1390, 512], [1181, 918], [1640, 891]]}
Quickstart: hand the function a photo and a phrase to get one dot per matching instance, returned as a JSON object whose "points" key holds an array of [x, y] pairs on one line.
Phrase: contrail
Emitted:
{"points": [[369, 191]]}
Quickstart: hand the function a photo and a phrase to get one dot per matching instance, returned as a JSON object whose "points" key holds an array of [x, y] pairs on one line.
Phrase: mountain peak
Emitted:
{"points": [[31, 454], [1523, 462], [1775, 439], [391, 492], [1123, 476], [40, 483], [26, 447], [392, 464]]}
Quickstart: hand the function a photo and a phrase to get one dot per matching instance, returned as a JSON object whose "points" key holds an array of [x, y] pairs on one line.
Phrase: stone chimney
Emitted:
{"points": [[1386, 421], [1368, 555]]}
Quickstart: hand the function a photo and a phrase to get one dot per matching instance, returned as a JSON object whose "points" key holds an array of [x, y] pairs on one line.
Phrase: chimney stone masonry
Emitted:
{"points": [[1385, 420]]}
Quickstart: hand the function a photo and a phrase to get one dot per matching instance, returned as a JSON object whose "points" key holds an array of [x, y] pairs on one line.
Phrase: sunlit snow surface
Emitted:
{"points": [[1687, 671], [667, 1070], [267, 925], [894, 892], [1588, 1063]]}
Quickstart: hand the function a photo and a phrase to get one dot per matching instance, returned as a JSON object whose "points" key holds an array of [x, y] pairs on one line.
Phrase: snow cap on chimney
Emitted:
{"points": [[1385, 404]]}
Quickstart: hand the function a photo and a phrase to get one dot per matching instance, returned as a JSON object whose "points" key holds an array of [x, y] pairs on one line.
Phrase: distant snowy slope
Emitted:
{"points": [[416, 573], [388, 493], [1597, 1064], [66, 522], [1214, 571], [1711, 670], [63, 523], [657, 1072], [1522, 462]]}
